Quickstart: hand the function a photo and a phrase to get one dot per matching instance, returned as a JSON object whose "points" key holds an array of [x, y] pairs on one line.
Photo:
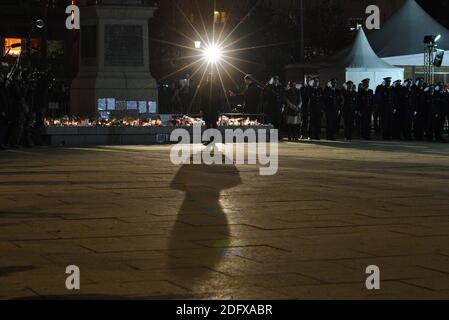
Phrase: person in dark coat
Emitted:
{"points": [[18, 110], [4, 106], [446, 104], [41, 98], [419, 109], [293, 104], [349, 108], [397, 110], [305, 111], [376, 112], [386, 104], [432, 104], [273, 99], [406, 104], [211, 97], [365, 101], [251, 97], [316, 107], [332, 105], [440, 116]]}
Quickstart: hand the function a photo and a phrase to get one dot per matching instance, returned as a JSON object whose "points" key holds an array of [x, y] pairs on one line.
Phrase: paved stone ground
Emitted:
{"points": [[139, 227]]}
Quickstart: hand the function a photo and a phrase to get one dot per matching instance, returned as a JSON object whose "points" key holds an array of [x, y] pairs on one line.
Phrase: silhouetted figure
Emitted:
{"points": [[419, 109], [316, 107], [397, 109], [440, 116], [293, 104], [365, 102], [432, 102], [349, 109], [273, 100], [332, 104], [4, 109], [407, 108], [386, 104], [212, 101], [305, 111], [251, 97]]}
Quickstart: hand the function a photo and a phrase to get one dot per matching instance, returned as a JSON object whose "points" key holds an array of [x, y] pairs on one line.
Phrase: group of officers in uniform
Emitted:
{"points": [[396, 110]]}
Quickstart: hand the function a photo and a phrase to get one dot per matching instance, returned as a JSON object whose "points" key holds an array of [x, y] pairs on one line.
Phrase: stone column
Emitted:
{"points": [[114, 58]]}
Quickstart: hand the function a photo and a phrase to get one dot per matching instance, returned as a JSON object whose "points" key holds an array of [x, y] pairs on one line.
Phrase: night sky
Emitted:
{"points": [[438, 9]]}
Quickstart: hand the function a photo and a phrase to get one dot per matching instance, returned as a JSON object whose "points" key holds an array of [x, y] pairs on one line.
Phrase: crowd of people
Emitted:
{"points": [[23, 107], [395, 110]]}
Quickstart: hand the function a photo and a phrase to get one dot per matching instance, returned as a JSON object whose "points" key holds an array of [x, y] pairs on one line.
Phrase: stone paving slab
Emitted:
{"points": [[121, 214]]}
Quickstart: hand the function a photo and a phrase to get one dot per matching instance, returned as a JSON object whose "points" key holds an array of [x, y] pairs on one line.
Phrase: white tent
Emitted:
{"points": [[413, 60], [360, 62], [400, 40]]}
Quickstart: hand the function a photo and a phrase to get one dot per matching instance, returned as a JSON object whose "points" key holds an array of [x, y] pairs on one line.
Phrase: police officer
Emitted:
{"points": [[293, 105], [386, 109], [446, 104], [365, 107], [440, 115], [376, 111], [406, 106], [316, 106], [397, 111], [349, 109], [419, 109], [431, 115], [305, 111], [332, 104]]}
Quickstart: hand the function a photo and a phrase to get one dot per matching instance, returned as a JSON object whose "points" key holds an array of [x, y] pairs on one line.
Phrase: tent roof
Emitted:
{"points": [[413, 60], [404, 32], [360, 56]]}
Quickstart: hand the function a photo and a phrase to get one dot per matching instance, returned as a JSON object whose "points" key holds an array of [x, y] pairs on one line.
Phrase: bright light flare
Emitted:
{"points": [[213, 54]]}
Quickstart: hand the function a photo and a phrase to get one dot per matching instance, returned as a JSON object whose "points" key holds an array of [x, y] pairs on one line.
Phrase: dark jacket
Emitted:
{"points": [[252, 97], [273, 100], [212, 98], [292, 102], [3, 103]]}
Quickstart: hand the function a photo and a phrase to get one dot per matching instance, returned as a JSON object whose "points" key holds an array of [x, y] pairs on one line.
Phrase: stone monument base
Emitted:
{"points": [[114, 74], [89, 88]]}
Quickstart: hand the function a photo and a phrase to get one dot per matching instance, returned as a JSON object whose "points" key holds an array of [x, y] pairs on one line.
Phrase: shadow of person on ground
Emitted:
{"points": [[201, 218]]}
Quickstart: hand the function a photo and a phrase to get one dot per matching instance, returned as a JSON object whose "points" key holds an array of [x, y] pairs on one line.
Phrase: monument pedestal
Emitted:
{"points": [[114, 75]]}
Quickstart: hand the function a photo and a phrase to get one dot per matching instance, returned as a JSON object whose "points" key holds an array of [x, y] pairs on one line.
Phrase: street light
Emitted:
{"points": [[213, 54], [431, 39]]}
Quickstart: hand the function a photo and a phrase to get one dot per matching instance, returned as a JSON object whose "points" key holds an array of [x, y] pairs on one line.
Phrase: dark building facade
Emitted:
{"points": [[54, 45]]}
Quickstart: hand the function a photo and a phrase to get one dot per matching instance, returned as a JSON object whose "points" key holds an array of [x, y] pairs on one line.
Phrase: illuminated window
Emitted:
{"points": [[9, 42]]}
